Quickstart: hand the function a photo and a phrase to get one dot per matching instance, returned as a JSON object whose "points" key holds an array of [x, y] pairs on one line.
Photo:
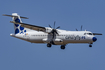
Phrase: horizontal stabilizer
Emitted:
{"points": [[14, 16]]}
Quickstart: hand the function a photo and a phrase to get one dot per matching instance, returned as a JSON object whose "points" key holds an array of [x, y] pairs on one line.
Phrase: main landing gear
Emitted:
{"points": [[62, 46], [49, 45]]}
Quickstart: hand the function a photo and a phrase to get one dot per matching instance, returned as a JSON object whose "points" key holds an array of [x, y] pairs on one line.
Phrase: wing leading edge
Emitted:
{"points": [[33, 27]]}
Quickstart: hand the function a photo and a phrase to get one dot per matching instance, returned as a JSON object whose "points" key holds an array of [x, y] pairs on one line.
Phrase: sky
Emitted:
{"points": [[16, 54]]}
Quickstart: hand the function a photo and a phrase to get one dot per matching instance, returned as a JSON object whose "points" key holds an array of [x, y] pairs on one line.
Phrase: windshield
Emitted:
{"points": [[88, 33]]}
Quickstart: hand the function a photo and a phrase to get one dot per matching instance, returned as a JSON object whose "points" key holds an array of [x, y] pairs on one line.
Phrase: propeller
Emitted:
{"points": [[93, 33], [76, 29], [54, 31], [97, 34], [81, 28]]}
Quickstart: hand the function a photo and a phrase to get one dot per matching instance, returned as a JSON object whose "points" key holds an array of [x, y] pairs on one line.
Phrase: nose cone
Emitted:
{"points": [[94, 39]]}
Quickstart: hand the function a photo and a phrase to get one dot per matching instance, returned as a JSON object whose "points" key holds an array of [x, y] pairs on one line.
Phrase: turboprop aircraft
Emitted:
{"points": [[49, 35]]}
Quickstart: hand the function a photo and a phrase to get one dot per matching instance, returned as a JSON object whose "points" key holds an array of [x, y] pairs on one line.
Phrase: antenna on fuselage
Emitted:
{"points": [[81, 27]]}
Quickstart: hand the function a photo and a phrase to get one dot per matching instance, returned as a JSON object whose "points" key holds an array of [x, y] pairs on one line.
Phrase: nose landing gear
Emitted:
{"points": [[90, 45]]}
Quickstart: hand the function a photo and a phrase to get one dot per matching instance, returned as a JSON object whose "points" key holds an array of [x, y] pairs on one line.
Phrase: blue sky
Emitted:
{"points": [[16, 54]]}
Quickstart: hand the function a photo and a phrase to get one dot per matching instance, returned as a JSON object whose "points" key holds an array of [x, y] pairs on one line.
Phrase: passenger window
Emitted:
{"points": [[90, 33]]}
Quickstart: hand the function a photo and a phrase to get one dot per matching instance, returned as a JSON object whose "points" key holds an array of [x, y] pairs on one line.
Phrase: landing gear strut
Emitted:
{"points": [[62, 46], [49, 45]]}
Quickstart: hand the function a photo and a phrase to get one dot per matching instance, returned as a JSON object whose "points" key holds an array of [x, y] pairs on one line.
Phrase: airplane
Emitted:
{"points": [[49, 35]]}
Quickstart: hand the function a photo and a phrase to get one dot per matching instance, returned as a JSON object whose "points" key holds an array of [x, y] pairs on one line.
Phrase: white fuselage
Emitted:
{"points": [[49, 35], [63, 38]]}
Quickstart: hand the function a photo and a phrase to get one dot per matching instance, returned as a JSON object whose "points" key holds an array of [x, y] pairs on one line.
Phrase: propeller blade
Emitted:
{"points": [[54, 24], [58, 27], [76, 29], [53, 35], [97, 34], [56, 32], [50, 26], [81, 27]]}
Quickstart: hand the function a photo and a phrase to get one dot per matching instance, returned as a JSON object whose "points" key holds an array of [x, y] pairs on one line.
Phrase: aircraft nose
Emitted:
{"points": [[94, 39]]}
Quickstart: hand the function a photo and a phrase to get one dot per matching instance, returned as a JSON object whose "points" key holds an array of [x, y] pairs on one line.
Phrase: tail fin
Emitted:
{"points": [[16, 18], [17, 27]]}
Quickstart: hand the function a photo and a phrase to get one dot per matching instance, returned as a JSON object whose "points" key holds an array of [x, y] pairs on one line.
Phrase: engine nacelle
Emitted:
{"points": [[55, 41], [48, 30], [46, 40], [58, 41]]}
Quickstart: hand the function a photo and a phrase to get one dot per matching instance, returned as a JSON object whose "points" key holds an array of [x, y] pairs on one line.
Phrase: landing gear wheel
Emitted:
{"points": [[62, 46], [48, 45], [90, 45]]}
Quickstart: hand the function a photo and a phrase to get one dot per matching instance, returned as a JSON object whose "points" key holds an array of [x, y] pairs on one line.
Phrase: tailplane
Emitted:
{"points": [[16, 18]]}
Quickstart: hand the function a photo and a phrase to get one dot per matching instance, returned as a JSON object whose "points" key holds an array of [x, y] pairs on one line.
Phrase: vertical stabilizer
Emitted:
{"points": [[16, 17], [17, 27]]}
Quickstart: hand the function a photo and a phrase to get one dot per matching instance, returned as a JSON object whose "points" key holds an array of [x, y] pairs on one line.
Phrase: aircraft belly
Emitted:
{"points": [[78, 41], [28, 38], [36, 39], [59, 41]]}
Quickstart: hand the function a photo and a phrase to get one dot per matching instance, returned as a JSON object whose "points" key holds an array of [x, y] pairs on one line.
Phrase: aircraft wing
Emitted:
{"points": [[33, 27]]}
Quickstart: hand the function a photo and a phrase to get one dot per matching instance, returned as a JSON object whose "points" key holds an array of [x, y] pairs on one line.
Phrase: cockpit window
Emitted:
{"points": [[88, 33]]}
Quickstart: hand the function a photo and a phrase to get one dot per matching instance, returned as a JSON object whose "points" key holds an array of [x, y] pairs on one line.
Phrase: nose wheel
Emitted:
{"points": [[90, 45]]}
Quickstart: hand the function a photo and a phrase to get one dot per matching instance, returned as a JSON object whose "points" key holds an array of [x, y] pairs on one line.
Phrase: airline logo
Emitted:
{"points": [[18, 28]]}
